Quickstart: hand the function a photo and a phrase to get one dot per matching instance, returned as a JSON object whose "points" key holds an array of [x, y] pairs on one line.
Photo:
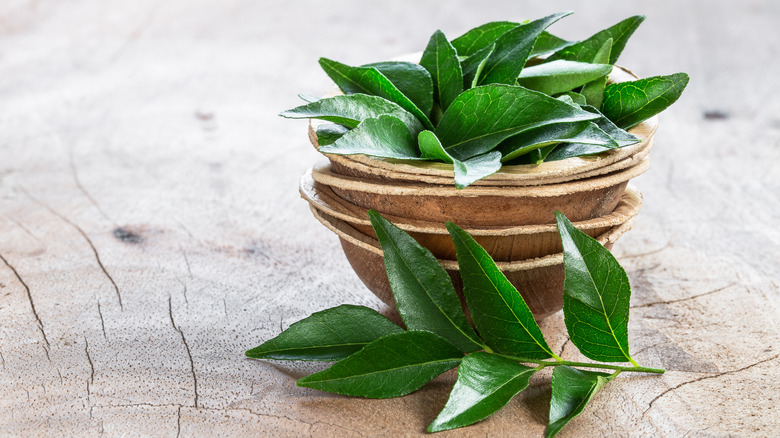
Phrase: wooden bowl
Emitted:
{"points": [[503, 243], [484, 206], [539, 281]]}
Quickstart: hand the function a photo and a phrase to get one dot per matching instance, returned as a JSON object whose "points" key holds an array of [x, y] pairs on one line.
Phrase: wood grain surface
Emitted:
{"points": [[151, 228]]}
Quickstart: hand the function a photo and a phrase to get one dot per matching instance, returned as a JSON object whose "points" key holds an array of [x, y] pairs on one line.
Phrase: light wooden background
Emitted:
{"points": [[151, 229]]}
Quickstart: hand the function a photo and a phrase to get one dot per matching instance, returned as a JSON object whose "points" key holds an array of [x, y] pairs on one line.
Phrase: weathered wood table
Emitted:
{"points": [[151, 229]]}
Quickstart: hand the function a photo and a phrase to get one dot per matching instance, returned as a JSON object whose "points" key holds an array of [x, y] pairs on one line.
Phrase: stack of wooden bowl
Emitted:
{"points": [[510, 213]]}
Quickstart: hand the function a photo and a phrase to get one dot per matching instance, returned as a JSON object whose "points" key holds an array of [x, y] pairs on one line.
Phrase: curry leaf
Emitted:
{"points": [[328, 133], [511, 109], [572, 389], [594, 90], [368, 80], [499, 312], [411, 79], [383, 136], [441, 61], [321, 336], [547, 43], [466, 172], [596, 296], [630, 103], [391, 366], [422, 288], [586, 50], [559, 76], [474, 65], [576, 98], [580, 132], [569, 150], [482, 36], [486, 383]]}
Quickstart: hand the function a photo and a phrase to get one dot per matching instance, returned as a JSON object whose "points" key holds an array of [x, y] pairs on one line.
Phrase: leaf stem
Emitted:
{"points": [[619, 368]]}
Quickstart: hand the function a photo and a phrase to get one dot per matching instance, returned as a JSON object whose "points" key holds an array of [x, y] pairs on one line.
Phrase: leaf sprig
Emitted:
{"points": [[495, 358], [476, 100]]}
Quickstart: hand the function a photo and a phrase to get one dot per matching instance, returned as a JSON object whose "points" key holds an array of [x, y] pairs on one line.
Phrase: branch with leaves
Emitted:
{"points": [[502, 93], [495, 357]]}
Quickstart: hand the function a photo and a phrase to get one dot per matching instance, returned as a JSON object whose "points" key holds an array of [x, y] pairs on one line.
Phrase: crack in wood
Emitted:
{"points": [[84, 191], [189, 353], [2, 359], [178, 422], [563, 347], [32, 306], [686, 298], [643, 254], [91, 365], [102, 323]]}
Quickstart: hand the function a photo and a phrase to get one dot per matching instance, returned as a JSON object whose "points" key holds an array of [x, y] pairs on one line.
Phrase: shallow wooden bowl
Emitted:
{"points": [[484, 206], [539, 281], [503, 243]]}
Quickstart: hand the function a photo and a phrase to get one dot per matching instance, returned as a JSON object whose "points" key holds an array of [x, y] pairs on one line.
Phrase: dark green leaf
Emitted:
{"points": [[513, 49], [486, 383], [569, 150], [559, 76], [423, 290], [572, 389], [511, 110], [384, 136], [368, 80], [474, 65], [499, 312], [411, 79], [536, 156], [391, 366], [585, 50], [331, 334], [441, 61], [466, 172], [580, 132], [547, 43], [480, 37], [350, 110], [596, 296], [594, 90], [630, 103], [576, 98], [328, 133]]}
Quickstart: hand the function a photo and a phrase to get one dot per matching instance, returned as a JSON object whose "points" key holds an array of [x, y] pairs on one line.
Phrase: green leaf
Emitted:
{"points": [[482, 36], [411, 79], [499, 312], [466, 172], [569, 150], [596, 296], [513, 49], [559, 76], [511, 110], [486, 383], [474, 65], [630, 103], [594, 90], [586, 50], [575, 98], [391, 366], [422, 288], [328, 133], [350, 110], [331, 334], [368, 80], [572, 389], [580, 132], [383, 136], [547, 43], [308, 98], [441, 61]]}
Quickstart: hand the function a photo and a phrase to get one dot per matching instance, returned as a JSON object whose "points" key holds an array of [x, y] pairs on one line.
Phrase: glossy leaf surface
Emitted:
{"points": [[384, 136], [422, 289], [391, 366], [328, 133], [572, 389], [322, 335], [630, 103], [466, 172], [569, 150], [486, 383], [482, 36], [594, 90], [411, 79], [581, 132], [499, 312], [559, 76], [586, 50], [441, 61], [474, 65], [547, 43]]}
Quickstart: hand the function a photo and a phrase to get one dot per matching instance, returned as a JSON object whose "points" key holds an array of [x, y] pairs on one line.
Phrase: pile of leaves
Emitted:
{"points": [[378, 359], [502, 93]]}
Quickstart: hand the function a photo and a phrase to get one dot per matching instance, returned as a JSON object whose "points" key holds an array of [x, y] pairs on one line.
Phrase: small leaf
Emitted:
{"points": [[511, 109], [368, 80], [576, 98], [480, 37], [630, 103], [391, 366], [383, 136], [328, 133], [441, 61], [547, 43], [350, 110], [411, 79], [594, 91], [499, 312], [559, 76], [580, 132], [486, 383], [585, 50], [572, 389], [422, 289], [331, 334], [466, 172], [596, 296], [474, 65]]}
